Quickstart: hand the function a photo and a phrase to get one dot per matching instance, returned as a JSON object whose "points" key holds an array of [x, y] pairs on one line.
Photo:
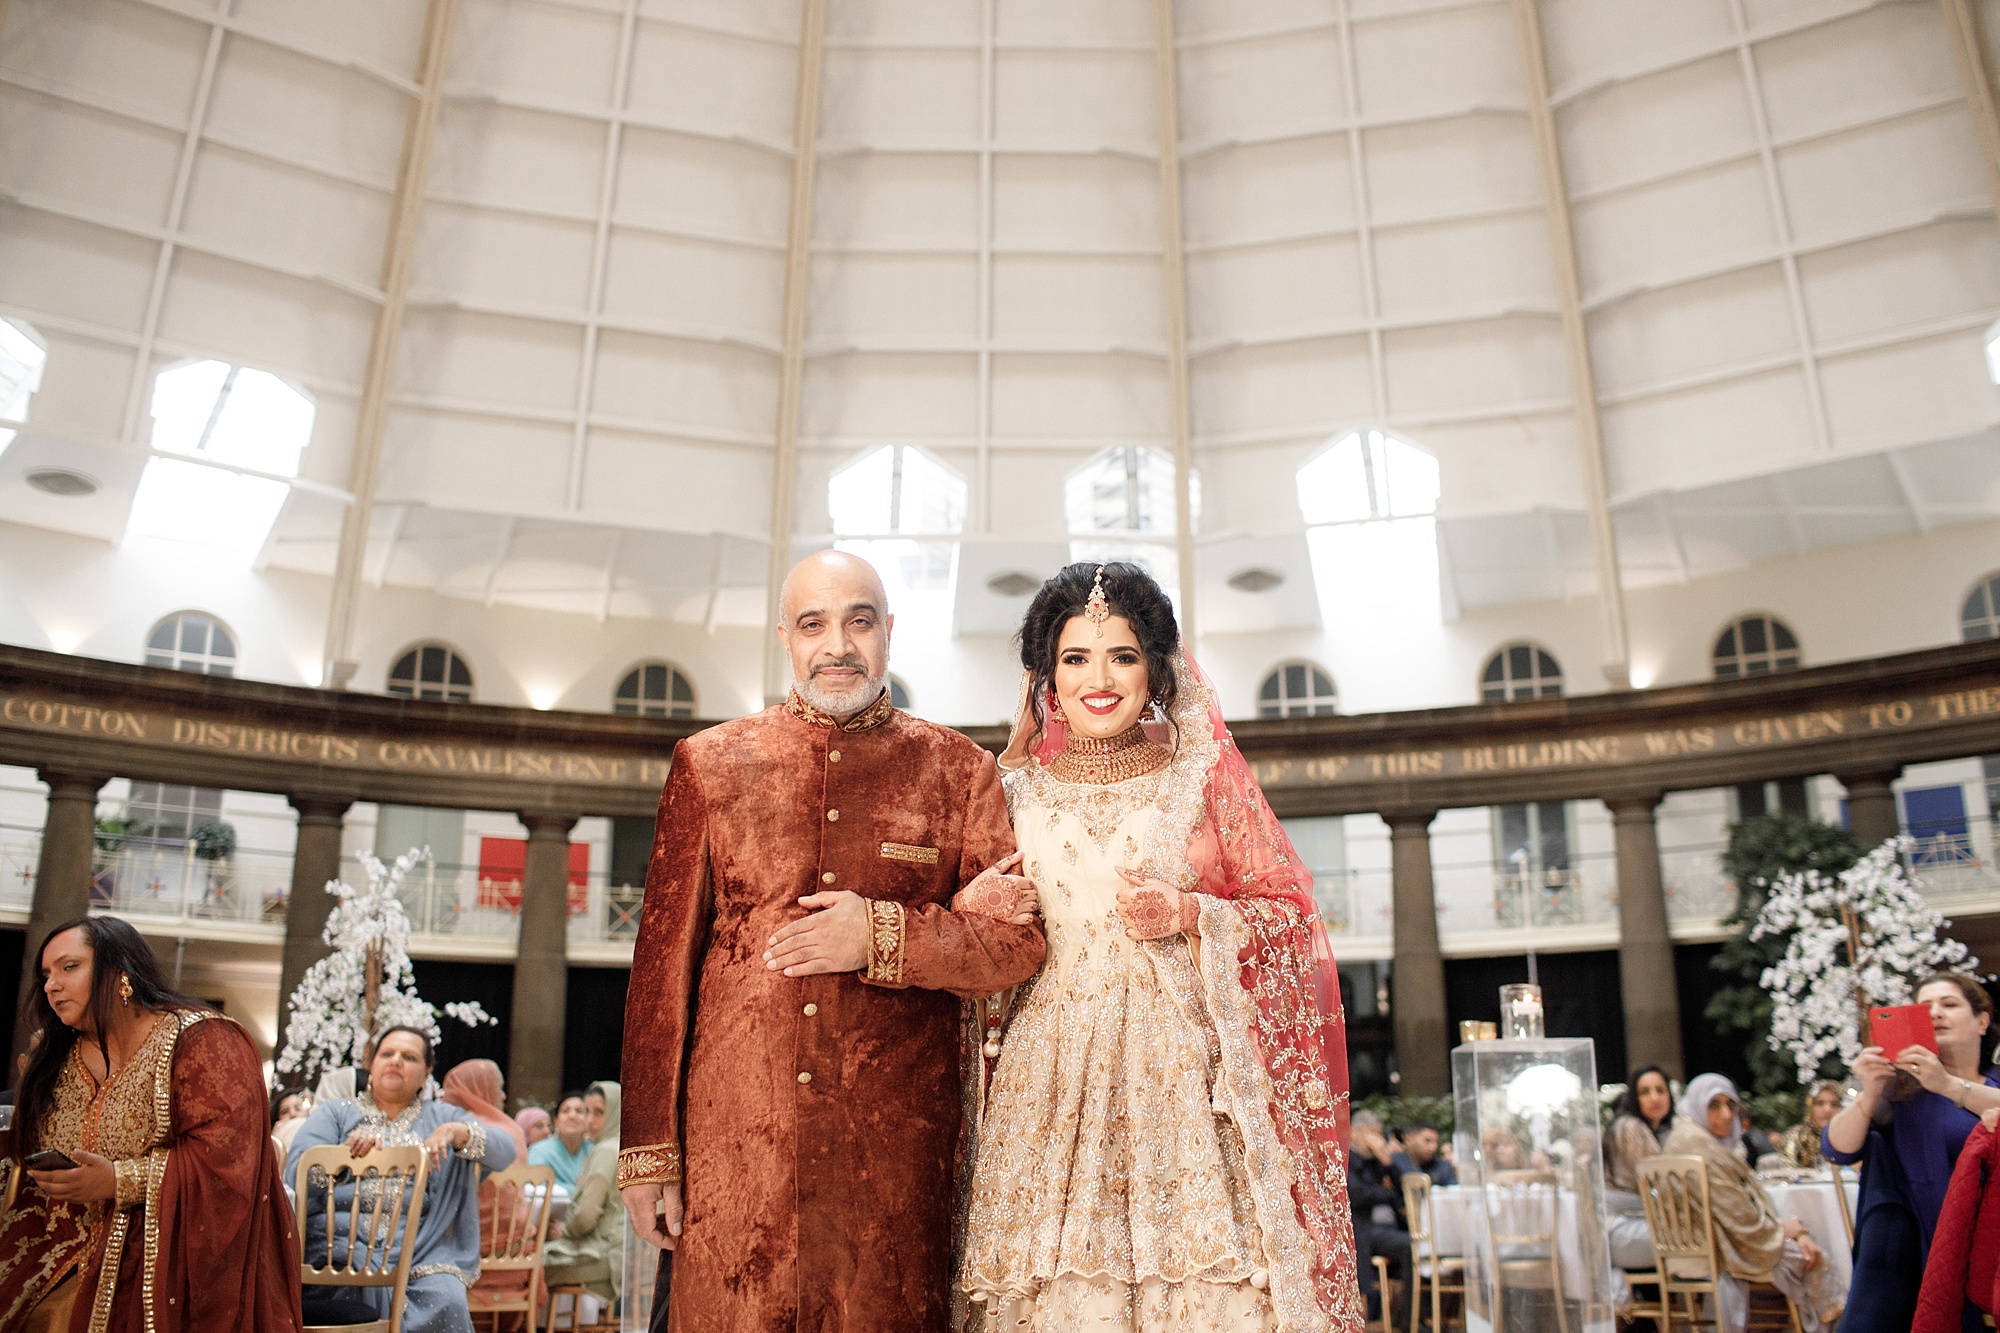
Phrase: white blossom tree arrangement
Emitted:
{"points": [[1862, 939], [367, 983]]}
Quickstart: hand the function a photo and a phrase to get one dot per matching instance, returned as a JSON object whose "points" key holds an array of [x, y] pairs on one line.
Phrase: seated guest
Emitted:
{"points": [[1375, 1198], [1916, 1109], [590, 1253], [1801, 1142], [289, 1108], [478, 1088], [569, 1147], [1420, 1154], [1753, 1244], [535, 1124], [1645, 1119], [171, 1215], [1757, 1144], [390, 1113]]}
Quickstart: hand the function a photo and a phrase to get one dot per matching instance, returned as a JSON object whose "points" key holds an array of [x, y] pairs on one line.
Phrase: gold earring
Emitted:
{"points": [[125, 991]]}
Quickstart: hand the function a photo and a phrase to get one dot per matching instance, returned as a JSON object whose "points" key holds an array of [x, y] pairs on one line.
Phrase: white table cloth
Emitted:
{"points": [[1454, 1205], [1812, 1203]]}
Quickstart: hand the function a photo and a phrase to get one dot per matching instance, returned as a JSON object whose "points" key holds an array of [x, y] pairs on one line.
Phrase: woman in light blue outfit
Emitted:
{"points": [[568, 1148], [445, 1260]]}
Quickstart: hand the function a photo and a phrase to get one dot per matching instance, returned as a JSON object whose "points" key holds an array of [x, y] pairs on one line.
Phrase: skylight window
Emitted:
{"points": [[898, 508], [219, 419], [1120, 506], [22, 356], [1370, 503]]}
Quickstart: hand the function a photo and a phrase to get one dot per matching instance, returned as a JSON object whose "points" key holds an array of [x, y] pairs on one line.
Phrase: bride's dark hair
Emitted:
{"points": [[1131, 593]]}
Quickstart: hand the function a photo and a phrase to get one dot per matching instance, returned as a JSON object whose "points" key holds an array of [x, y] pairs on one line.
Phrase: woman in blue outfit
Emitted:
{"points": [[391, 1113], [1907, 1125]]}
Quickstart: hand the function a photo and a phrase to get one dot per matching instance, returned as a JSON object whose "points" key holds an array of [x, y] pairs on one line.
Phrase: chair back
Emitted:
{"points": [[514, 1225], [1675, 1193], [1840, 1197], [1522, 1207], [1417, 1212], [385, 1197]]}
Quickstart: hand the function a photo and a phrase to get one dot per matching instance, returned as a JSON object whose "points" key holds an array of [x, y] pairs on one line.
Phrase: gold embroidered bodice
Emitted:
{"points": [[122, 1118]]}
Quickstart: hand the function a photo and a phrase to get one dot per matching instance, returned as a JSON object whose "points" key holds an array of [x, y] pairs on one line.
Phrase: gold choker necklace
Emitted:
{"points": [[1103, 761]]}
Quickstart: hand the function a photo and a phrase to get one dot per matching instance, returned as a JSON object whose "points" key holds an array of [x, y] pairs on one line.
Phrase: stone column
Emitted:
{"points": [[541, 963], [1645, 953], [1417, 1008], [1871, 805], [315, 861], [62, 875]]}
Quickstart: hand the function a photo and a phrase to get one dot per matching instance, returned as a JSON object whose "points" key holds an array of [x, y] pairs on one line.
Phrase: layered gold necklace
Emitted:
{"points": [[1111, 759]]}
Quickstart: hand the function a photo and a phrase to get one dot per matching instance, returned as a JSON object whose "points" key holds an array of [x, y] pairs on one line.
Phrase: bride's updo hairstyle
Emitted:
{"points": [[1133, 594]]}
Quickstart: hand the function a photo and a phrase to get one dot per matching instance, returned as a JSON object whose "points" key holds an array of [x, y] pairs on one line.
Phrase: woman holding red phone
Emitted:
{"points": [[1912, 1115]]}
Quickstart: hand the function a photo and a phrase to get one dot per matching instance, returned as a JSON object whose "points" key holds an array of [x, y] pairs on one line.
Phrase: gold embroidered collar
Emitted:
{"points": [[874, 715], [1101, 762]]}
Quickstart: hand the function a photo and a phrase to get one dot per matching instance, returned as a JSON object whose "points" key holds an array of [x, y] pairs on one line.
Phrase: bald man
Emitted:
{"points": [[827, 882]]}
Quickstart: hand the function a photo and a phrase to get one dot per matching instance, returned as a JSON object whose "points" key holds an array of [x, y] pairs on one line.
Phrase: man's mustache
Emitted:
{"points": [[840, 663]]}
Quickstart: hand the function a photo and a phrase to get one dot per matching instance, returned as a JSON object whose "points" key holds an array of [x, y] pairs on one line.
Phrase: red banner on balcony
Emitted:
{"points": [[504, 861]]}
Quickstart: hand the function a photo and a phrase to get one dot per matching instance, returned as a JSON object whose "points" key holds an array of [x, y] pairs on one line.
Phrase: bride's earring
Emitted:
{"points": [[1056, 709], [125, 991]]}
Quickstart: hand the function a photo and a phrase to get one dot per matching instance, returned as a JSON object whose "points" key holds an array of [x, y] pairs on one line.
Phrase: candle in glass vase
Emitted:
{"points": [[1521, 1011]]}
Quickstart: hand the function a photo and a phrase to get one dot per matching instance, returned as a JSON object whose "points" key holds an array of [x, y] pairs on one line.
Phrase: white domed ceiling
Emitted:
{"points": [[1783, 234]]}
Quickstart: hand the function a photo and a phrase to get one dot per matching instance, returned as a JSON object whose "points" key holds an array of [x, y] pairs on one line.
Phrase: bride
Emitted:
{"points": [[1159, 1147]]}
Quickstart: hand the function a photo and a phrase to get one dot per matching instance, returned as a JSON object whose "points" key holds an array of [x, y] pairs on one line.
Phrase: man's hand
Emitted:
{"points": [[655, 1211], [1000, 895], [833, 939]]}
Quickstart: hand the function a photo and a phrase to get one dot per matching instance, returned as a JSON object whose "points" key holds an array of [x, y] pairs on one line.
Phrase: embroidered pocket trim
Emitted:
{"points": [[903, 851]]}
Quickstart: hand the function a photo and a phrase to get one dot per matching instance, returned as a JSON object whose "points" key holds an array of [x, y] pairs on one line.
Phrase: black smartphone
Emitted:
{"points": [[48, 1159]]}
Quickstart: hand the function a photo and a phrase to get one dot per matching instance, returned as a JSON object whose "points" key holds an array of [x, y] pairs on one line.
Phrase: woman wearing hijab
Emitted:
{"points": [[478, 1088], [591, 1251], [1753, 1244], [535, 1124]]}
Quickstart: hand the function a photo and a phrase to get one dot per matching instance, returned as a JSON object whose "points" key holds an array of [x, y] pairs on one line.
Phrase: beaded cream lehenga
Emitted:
{"points": [[1137, 1155]]}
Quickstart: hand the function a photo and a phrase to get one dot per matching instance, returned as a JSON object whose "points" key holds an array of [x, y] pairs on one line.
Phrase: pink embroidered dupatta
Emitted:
{"points": [[1269, 973]]}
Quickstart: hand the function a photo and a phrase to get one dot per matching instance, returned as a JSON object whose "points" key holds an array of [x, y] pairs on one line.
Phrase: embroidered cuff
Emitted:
{"points": [[885, 942], [1191, 915], [655, 1164], [131, 1175], [475, 1146]]}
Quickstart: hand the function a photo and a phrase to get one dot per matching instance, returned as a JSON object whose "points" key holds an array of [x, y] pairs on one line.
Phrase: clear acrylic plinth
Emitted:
{"points": [[1529, 1218]]}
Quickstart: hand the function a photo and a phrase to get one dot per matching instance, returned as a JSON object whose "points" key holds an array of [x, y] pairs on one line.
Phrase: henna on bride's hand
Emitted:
{"points": [[997, 898], [1150, 913]]}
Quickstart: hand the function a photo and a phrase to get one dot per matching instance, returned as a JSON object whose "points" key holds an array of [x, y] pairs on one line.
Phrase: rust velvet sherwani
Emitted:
{"points": [[813, 1121]]}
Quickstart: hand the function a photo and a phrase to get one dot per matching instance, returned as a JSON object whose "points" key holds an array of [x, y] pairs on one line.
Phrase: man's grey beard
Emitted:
{"points": [[845, 703]]}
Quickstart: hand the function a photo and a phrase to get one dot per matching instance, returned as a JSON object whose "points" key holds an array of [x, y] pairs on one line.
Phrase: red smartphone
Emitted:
{"points": [[1897, 1027]]}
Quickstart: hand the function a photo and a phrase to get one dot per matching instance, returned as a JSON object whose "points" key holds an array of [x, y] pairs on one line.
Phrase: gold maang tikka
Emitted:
{"points": [[1098, 609]]}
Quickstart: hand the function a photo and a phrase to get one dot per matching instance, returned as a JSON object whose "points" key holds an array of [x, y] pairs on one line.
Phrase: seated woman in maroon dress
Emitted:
{"points": [[172, 1218]]}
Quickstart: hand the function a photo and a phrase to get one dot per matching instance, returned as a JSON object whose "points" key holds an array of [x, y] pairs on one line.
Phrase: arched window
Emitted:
{"points": [[1520, 671], [191, 641], [228, 424], [22, 356], [899, 693], [655, 689], [1120, 506], [1755, 646], [1979, 618], [1297, 689], [891, 507], [431, 671]]}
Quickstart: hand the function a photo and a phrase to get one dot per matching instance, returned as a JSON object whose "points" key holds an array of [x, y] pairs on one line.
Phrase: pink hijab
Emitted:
{"points": [[476, 1086]]}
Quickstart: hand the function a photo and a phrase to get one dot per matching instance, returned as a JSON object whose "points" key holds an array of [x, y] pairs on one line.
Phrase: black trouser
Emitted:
{"points": [[1371, 1239]]}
